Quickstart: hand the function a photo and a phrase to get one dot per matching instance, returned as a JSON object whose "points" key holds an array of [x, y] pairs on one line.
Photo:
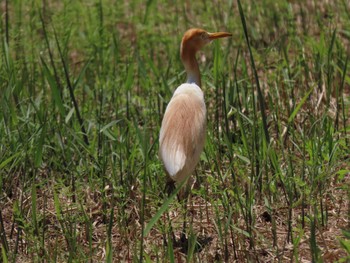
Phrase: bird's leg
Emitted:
{"points": [[185, 197], [183, 233], [169, 188]]}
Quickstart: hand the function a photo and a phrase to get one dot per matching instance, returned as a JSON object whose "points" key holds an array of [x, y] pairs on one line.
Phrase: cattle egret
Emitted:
{"points": [[183, 130]]}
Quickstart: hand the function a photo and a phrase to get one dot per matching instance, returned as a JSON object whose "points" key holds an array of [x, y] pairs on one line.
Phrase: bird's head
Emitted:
{"points": [[195, 38]]}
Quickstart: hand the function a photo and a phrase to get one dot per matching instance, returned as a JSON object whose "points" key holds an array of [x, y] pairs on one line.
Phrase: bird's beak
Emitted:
{"points": [[219, 35]]}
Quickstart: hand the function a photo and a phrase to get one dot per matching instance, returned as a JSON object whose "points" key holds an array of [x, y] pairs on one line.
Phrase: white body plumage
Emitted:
{"points": [[183, 130]]}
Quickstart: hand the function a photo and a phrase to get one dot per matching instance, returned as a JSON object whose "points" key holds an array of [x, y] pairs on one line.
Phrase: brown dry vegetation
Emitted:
{"points": [[86, 211], [204, 221]]}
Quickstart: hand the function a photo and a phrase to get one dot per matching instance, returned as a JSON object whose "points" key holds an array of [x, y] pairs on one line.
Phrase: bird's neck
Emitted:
{"points": [[191, 66]]}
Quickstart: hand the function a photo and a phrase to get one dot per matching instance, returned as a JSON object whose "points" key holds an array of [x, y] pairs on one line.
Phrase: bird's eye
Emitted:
{"points": [[203, 36]]}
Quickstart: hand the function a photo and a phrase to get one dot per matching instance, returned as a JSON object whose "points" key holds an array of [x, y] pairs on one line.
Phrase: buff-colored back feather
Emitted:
{"points": [[183, 132]]}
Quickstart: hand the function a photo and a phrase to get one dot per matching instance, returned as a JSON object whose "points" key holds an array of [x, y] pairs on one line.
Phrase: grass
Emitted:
{"points": [[84, 85]]}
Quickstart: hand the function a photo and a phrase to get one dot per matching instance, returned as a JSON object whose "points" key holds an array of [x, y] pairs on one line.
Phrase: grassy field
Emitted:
{"points": [[83, 88]]}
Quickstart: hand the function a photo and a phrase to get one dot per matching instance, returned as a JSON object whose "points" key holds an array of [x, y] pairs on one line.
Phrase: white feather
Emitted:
{"points": [[183, 126], [174, 159]]}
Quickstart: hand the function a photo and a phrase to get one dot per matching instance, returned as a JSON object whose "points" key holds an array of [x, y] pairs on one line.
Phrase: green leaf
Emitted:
{"points": [[130, 77], [4, 255], [8, 160], [81, 74], [53, 85], [34, 201], [162, 209], [297, 108], [69, 115], [39, 147], [109, 125]]}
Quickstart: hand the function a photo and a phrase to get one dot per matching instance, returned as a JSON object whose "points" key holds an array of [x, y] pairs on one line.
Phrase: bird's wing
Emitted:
{"points": [[182, 132]]}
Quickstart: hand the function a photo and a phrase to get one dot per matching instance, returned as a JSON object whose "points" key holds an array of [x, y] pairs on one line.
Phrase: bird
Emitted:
{"points": [[183, 129]]}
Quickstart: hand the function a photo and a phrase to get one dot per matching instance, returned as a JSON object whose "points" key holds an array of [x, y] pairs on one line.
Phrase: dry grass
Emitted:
{"points": [[62, 200], [203, 219]]}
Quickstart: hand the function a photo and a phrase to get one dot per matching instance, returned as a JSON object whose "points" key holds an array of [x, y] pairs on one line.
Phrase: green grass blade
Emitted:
{"points": [[171, 250], [39, 147], [81, 74], [192, 241], [4, 254], [298, 107], [8, 160], [71, 91], [260, 95], [56, 95], [109, 249], [162, 209], [34, 209], [3, 239]]}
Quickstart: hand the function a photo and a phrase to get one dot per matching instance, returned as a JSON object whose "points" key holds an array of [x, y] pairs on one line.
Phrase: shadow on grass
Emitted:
{"points": [[201, 243]]}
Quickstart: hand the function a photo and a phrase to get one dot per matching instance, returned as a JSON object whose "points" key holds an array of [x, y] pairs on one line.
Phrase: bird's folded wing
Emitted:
{"points": [[182, 132]]}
